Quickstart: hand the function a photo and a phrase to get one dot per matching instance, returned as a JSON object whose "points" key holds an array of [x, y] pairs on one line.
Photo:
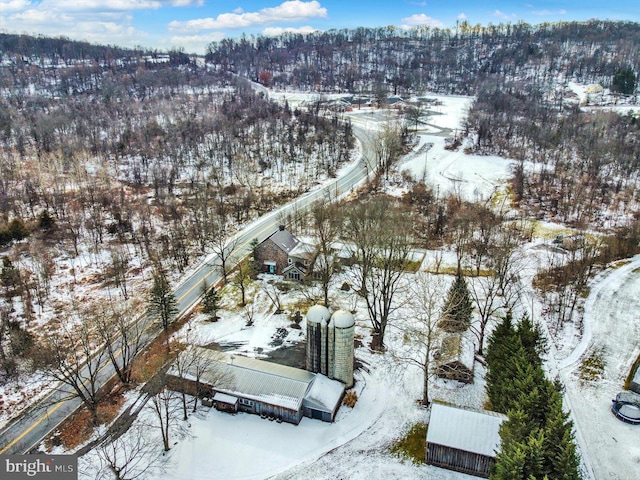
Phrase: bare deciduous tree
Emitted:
{"points": [[242, 278], [166, 410], [388, 146], [378, 234], [420, 331], [223, 246], [326, 221], [70, 357], [129, 456], [121, 331]]}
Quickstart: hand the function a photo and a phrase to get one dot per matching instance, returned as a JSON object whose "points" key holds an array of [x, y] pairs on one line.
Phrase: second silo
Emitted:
{"points": [[342, 327], [317, 319]]}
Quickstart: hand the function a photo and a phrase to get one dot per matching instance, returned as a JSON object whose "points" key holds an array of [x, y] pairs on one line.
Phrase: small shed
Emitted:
{"points": [[463, 440], [323, 399], [225, 403], [455, 358]]}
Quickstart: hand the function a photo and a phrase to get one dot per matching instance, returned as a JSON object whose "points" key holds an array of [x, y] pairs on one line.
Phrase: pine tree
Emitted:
{"points": [[562, 460], [162, 301], [532, 339], [210, 302], [537, 440], [521, 455], [505, 355], [458, 306]]}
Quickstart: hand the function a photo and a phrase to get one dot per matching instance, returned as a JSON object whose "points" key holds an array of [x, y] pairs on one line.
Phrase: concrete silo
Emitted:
{"points": [[342, 328], [317, 318]]}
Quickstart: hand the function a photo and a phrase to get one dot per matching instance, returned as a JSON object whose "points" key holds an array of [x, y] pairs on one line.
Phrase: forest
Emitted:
{"points": [[115, 161]]}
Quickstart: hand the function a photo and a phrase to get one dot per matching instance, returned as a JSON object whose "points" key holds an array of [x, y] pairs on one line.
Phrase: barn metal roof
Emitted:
{"points": [[258, 380], [468, 430]]}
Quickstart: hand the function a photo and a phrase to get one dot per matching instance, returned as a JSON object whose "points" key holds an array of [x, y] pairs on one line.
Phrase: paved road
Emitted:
{"points": [[24, 433]]}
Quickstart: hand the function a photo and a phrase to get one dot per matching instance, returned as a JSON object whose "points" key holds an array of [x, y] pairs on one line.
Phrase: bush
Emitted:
{"points": [[350, 398], [46, 222]]}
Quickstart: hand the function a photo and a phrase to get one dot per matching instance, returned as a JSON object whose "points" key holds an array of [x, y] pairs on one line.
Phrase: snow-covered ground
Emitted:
{"points": [[612, 328], [356, 446], [244, 446]]}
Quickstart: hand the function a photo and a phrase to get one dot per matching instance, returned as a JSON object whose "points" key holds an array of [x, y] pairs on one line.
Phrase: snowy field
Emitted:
{"points": [[357, 445]]}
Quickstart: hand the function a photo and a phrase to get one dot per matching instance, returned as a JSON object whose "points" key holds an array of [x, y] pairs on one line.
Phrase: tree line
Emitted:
{"points": [[443, 60]]}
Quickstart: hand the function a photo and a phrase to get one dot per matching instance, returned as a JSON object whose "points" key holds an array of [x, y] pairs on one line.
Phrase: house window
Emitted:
{"points": [[289, 260], [295, 275], [248, 403]]}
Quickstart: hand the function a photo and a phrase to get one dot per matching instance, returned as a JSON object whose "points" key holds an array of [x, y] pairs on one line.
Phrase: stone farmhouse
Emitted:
{"points": [[282, 253]]}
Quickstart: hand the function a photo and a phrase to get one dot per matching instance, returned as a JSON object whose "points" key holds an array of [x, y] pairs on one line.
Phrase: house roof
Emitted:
{"points": [[295, 266], [468, 430], [267, 382], [284, 239], [255, 379], [301, 250]]}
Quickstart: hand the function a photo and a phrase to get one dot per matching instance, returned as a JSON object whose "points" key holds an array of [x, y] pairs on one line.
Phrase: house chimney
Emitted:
{"points": [[281, 227]]}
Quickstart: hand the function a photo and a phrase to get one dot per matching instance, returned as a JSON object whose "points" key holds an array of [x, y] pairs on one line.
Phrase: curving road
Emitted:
{"points": [[24, 433]]}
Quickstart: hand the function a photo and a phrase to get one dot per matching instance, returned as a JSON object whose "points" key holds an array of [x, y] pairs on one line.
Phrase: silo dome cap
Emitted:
{"points": [[343, 319], [318, 314]]}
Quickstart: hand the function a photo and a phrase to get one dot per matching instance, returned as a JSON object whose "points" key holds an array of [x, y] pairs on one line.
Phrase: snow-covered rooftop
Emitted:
{"points": [[271, 382], [263, 381], [325, 394], [467, 430]]}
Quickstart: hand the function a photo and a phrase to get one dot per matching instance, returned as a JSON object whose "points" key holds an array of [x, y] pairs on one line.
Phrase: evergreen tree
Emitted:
{"points": [[46, 222], [255, 268], [521, 455], [162, 301], [210, 302], [537, 440], [9, 278], [562, 460], [458, 306], [532, 339], [624, 81], [504, 347]]}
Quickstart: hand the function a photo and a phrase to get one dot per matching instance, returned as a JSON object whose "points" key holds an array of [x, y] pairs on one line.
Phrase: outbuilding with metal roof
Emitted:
{"points": [[264, 388], [463, 440]]}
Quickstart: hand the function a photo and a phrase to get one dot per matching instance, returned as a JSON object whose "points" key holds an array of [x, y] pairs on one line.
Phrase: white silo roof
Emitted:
{"points": [[318, 314], [343, 319]]}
